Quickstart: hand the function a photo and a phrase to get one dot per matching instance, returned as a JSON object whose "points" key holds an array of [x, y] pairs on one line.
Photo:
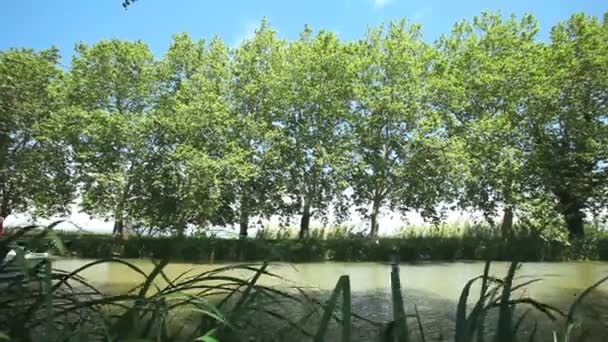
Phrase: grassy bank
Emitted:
{"points": [[523, 247]]}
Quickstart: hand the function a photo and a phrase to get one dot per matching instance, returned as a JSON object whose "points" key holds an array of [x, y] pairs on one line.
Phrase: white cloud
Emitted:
{"points": [[420, 13], [379, 4], [247, 32]]}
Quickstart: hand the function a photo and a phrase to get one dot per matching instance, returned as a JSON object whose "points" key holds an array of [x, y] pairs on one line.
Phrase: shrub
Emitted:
{"points": [[473, 244]]}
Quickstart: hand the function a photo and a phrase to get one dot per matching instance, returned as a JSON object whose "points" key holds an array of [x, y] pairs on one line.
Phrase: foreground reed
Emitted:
{"points": [[230, 304]]}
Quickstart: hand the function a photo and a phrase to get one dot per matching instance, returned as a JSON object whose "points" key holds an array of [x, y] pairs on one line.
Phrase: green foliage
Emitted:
{"points": [[108, 93], [192, 161], [488, 118], [483, 76], [34, 172], [569, 122], [258, 72], [314, 132], [449, 244], [398, 154]]}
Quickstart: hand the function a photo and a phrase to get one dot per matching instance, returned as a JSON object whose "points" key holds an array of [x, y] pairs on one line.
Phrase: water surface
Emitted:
{"points": [[443, 280], [433, 286]]}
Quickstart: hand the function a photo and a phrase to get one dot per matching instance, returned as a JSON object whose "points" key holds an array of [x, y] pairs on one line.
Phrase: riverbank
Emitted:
{"points": [[413, 248]]}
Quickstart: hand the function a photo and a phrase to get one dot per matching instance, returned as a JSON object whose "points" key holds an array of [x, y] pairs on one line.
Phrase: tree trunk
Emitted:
{"points": [[119, 218], [374, 225], [575, 221], [243, 224], [305, 221], [506, 227], [119, 223], [5, 209], [4, 212], [243, 218], [118, 227], [571, 208]]}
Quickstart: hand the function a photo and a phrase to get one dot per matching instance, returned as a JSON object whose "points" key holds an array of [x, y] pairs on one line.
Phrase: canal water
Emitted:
{"points": [[434, 287]]}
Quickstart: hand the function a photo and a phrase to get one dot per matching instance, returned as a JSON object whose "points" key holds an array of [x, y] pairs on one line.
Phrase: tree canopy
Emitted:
{"points": [[34, 171], [488, 118]]}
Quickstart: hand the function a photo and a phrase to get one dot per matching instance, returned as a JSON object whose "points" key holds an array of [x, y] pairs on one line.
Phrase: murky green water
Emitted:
{"points": [[443, 280], [434, 287]]}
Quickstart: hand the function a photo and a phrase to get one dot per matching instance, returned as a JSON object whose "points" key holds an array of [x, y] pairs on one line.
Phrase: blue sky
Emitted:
{"points": [[41, 24]]}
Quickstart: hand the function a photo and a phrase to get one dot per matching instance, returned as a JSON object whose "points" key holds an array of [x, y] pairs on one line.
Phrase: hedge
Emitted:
{"points": [[203, 250]]}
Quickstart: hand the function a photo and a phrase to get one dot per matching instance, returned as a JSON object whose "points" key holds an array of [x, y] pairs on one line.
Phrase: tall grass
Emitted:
{"points": [[340, 231], [413, 248], [345, 243], [61, 306], [495, 294], [43, 304]]}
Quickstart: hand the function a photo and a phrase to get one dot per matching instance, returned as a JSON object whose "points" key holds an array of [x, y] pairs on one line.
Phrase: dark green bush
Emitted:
{"points": [[83, 245], [410, 248]]}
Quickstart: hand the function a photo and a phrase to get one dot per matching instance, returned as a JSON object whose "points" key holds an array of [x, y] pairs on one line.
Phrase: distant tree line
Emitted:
{"points": [[487, 118]]}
